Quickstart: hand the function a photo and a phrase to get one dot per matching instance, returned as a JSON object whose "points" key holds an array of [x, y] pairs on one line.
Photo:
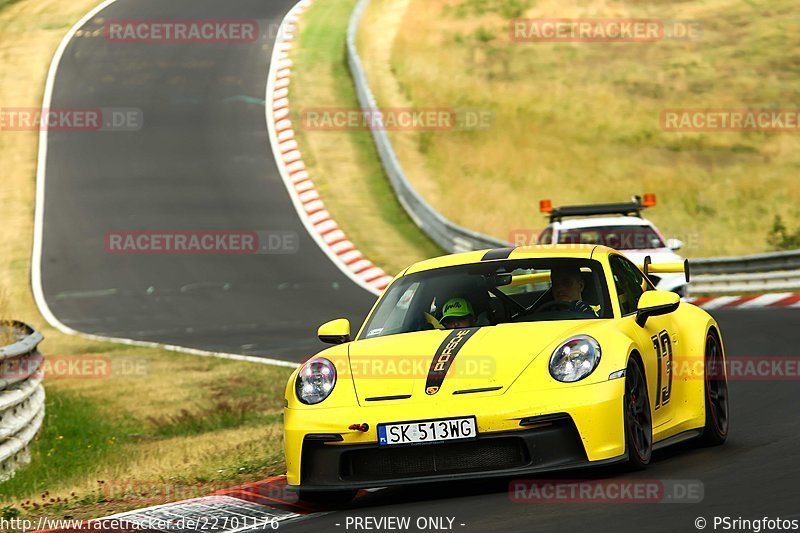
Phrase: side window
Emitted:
{"points": [[630, 283], [547, 236]]}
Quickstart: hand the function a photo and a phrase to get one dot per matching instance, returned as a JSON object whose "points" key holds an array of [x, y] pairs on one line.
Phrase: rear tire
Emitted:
{"points": [[327, 498], [715, 431], [638, 418]]}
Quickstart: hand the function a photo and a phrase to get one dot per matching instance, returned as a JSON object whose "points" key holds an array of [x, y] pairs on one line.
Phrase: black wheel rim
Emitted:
{"points": [[640, 422], [716, 386]]}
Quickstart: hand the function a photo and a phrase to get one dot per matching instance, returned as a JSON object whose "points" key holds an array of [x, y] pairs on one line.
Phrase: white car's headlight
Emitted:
{"points": [[575, 359], [315, 381]]}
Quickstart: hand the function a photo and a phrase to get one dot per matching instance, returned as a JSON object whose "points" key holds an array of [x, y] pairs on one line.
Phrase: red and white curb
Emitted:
{"points": [[774, 300], [259, 506], [38, 225], [310, 207]]}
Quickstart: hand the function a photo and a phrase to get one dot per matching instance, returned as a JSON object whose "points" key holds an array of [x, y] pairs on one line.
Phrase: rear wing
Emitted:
{"points": [[648, 267]]}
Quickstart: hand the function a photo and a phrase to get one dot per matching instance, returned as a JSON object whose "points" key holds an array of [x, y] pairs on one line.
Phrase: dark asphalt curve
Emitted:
{"points": [[753, 475], [201, 162]]}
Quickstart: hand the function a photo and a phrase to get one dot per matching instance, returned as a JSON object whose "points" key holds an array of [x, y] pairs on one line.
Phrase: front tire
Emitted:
{"points": [[715, 431], [638, 418]]}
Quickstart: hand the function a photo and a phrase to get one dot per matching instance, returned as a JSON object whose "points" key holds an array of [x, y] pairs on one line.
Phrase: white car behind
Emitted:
{"points": [[628, 232]]}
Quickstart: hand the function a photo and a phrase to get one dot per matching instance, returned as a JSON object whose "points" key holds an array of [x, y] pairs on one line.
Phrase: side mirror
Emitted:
{"points": [[674, 244], [656, 303], [501, 280], [335, 332]]}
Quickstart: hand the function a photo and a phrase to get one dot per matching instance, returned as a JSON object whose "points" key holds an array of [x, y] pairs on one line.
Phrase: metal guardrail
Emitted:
{"points": [[450, 236], [708, 275], [740, 283], [772, 272], [749, 263], [21, 394]]}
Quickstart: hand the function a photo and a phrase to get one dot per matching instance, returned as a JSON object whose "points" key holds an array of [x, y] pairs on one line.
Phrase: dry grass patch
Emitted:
{"points": [[580, 122], [344, 164], [179, 420]]}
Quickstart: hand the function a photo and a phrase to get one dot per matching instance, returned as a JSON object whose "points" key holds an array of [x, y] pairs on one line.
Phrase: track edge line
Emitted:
{"points": [[38, 226]]}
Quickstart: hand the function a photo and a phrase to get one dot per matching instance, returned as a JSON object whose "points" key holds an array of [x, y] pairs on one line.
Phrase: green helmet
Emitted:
{"points": [[456, 308]]}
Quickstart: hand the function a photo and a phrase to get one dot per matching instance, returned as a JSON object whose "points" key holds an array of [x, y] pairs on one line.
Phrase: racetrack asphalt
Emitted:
{"points": [[202, 161], [753, 475]]}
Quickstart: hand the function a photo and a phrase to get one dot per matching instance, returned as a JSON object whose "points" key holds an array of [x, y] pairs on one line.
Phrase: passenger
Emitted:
{"points": [[457, 313]]}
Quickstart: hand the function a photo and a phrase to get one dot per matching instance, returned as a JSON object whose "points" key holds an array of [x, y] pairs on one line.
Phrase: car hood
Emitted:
{"points": [[489, 357]]}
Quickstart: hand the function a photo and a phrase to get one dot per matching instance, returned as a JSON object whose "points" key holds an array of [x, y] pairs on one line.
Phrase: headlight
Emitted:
{"points": [[315, 381], [575, 359]]}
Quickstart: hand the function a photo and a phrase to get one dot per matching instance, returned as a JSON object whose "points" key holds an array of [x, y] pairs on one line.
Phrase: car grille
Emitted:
{"points": [[424, 460]]}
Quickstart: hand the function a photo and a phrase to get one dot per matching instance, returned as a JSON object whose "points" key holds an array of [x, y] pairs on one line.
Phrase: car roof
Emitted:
{"points": [[592, 222], [577, 251]]}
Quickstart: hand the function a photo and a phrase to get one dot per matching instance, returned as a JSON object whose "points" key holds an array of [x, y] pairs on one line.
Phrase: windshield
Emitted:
{"points": [[617, 237], [486, 294]]}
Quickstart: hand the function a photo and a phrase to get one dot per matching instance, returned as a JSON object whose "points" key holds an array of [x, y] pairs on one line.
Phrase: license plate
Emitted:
{"points": [[427, 431]]}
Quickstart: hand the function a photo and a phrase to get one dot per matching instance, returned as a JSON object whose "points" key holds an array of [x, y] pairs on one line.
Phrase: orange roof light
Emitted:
{"points": [[545, 206], [649, 200]]}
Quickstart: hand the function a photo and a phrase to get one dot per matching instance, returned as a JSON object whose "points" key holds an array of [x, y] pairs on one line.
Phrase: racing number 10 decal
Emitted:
{"points": [[663, 345]]}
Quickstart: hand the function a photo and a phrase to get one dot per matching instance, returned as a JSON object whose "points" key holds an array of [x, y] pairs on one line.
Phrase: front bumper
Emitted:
{"points": [[585, 427], [555, 445]]}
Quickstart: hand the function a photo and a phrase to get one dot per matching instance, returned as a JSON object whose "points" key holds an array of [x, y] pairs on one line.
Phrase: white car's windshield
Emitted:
{"points": [[490, 293], [617, 237]]}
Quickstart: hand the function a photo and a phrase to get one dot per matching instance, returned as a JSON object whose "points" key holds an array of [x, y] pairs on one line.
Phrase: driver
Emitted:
{"points": [[567, 286], [457, 313]]}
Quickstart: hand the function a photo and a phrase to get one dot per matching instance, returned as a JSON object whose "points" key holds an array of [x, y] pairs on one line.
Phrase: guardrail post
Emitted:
{"points": [[21, 394], [759, 273], [454, 238], [450, 236]]}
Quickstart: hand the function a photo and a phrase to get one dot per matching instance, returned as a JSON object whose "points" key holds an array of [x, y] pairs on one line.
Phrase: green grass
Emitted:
{"points": [[344, 164], [75, 436], [118, 427], [221, 415], [580, 122], [5, 3], [97, 453]]}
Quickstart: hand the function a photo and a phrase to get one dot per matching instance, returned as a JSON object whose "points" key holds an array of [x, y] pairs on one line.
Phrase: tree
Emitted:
{"points": [[779, 237]]}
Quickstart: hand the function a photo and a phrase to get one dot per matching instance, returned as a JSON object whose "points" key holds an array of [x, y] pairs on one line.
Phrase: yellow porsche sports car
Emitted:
{"points": [[505, 362]]}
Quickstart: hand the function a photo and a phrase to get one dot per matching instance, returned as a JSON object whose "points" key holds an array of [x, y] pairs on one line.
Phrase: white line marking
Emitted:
{"points": [[765, 299], [211, 507], [38, 226], [273, 126], [719, 302]]}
